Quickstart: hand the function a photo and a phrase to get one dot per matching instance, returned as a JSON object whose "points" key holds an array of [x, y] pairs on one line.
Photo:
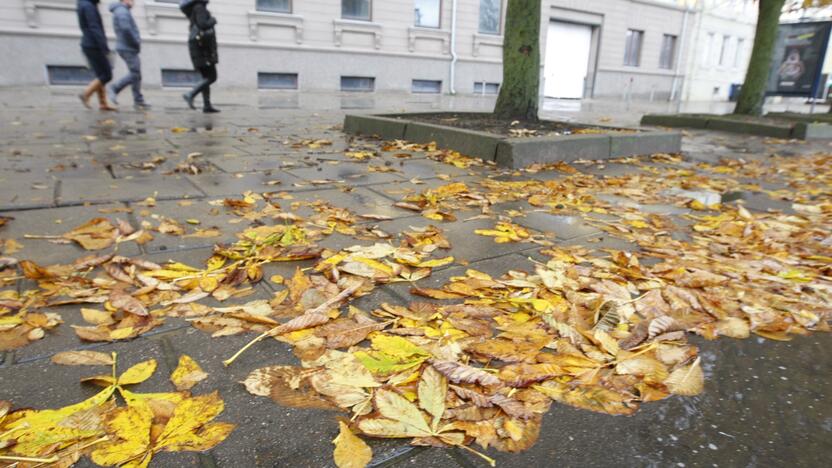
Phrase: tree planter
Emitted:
{"points": [[553, 141], [772, 125]]}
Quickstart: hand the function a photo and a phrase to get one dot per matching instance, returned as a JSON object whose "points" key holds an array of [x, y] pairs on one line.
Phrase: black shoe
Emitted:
{"points": [[141, 106], [189, 98], [210, 110]]}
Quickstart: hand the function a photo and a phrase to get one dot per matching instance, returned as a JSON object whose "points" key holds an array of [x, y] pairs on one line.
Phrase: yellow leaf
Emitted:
{"points": [[129, 429], [432, 390], [688, 380], [350, 451], [187, 373], [138, 373], [97, 317], [401, 418], [181, 431], [436, 263], [593, 398]]}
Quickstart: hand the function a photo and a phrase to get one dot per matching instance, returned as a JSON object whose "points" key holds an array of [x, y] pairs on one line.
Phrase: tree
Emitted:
{"points": [[752, 94], [519, 92]]}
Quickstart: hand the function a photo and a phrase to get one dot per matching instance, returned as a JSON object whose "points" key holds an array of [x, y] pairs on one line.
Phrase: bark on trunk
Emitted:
{"points": [[521, 62], [752, 94]]}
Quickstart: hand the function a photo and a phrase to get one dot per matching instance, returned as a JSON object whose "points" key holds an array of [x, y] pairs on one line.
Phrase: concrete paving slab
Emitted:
{"points": [[54, 222], [564, 227], [181, 211], [351, 174], [101, 190], [26, 191], [227, 185]]}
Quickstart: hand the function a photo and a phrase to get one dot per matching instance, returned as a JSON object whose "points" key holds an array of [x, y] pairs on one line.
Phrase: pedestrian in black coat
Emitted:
{"points": [[202, 44], [94, 46]]}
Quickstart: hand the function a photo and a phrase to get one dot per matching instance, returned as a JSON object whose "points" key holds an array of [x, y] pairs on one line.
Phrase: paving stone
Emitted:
{"points": [[273, 163], [563, 226], [54, 222], [101, 190], [227, 185], [25, 191], [208, 216], [351, 174]]}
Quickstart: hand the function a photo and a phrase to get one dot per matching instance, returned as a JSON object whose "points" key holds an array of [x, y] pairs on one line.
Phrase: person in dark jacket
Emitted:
{"points": [[202, 44], [94, 46], [128, 46]]}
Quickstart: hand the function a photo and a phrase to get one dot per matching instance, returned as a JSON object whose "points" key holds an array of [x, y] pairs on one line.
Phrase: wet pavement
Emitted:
{"points": [[765, 402]]}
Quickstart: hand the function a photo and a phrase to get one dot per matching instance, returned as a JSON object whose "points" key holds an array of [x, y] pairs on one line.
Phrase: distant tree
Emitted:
{"points": [[752, 94], [519, 91]]}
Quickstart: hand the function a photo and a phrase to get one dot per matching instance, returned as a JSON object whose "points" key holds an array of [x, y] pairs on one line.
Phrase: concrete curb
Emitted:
{"points": [[790, 125], [518, 152]]}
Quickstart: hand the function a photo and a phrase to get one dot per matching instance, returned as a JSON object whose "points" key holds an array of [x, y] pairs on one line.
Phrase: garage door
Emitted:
{"points": [[567, 59]]}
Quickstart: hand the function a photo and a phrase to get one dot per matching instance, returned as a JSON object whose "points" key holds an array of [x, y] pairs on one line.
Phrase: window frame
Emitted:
{"points": [[628, 44], [666, 55], [369, 17], [421, 80], [484, 86], [723, 50], [500, 25], [179, 71], [296, 77], [371, 89], [438, 21], [271, 10], [738, 45]]}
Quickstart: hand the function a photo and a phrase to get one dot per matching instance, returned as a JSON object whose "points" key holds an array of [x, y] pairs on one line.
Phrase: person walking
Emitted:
{"points": [[128, 46], [94, 46], [202, 45]]}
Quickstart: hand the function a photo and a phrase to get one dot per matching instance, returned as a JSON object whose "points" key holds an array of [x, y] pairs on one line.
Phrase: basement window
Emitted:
{"points": [[277, 80], [481, 87], [363, 84], [172, 78], [426, 86], [68, 75]]}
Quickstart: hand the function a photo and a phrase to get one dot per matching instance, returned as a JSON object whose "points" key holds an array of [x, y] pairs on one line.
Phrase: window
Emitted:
{"points": [[426, 86], [632, 48], [481, 87], [277, 6], [427, 13], [68, 75], [738, 52], [668, 53], [179, 78], [723, 50], [358, 83], [707, 57], [356, 9], [277, 80], [490, 16]]}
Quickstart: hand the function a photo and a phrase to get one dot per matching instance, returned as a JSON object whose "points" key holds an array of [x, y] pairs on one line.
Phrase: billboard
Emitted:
{"points": [[798, 59]]}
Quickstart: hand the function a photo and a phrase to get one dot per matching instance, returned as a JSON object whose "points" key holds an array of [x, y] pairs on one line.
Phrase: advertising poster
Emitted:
{"points": [[798, 58]]}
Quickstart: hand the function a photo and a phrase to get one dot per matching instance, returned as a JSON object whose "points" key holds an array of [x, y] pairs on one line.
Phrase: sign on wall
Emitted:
{"points": [[798, 59]]}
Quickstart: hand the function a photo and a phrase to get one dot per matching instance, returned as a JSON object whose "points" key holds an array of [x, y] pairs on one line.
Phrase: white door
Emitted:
{"points": [[567, 59]]}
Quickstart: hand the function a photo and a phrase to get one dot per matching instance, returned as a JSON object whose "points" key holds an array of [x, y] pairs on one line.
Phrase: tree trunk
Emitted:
{"points": [[752, 94], [521, 62]]}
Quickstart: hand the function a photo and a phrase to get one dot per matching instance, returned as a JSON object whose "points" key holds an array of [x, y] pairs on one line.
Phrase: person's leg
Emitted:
{"points": [[199, 87], [211, 76], [117, 86], [91, 89], [135, 66], [103, 72]]}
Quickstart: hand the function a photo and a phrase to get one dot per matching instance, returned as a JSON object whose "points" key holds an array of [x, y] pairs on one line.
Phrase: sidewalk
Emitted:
{"points": [[765, 402]]}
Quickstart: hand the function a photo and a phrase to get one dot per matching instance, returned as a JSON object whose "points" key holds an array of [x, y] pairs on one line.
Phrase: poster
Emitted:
{"points": [[798, 58]]}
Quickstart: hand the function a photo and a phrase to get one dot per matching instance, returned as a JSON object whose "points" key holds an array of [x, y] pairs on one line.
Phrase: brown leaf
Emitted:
{"points": [[457, 372], [123, 301], [83, 358]]}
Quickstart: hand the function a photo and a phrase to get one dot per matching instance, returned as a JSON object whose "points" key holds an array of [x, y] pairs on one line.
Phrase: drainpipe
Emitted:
{"points": [[681, 51], [453, 48]]}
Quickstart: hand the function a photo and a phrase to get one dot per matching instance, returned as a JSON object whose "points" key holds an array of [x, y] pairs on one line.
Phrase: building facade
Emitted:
{"points": [[591, 48]]}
